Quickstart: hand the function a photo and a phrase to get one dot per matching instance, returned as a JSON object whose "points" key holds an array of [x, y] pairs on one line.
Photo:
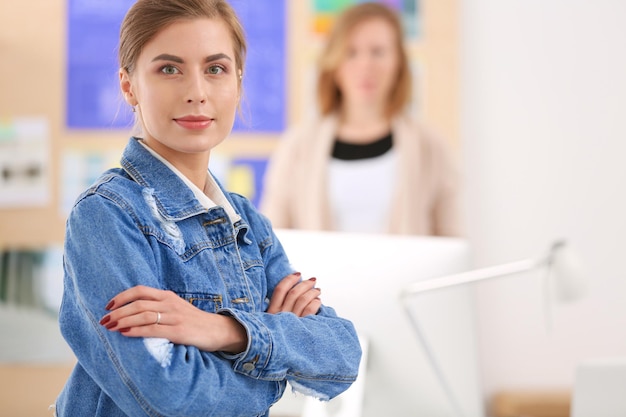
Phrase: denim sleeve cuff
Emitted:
{"points": [[255, 358]]}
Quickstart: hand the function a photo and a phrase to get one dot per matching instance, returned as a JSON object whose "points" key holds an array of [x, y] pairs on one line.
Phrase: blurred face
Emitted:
{"points": [[185, 87], [369, 69]]}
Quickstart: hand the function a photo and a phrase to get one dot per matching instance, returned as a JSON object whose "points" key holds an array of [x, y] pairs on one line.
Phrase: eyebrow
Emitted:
{"points": [[179, 60]]}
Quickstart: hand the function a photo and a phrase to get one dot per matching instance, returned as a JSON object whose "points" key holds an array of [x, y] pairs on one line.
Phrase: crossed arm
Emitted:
{"points": [[135, 312]]}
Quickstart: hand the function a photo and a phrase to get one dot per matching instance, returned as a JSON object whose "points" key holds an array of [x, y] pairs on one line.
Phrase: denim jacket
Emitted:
{"points": [[139, 224]]}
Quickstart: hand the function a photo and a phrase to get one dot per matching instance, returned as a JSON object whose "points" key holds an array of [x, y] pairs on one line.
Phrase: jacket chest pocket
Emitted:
{"points": [[211, 303]]}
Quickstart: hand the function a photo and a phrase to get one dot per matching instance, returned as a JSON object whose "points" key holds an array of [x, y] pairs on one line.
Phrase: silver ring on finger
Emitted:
{"points": [[158, 320]]}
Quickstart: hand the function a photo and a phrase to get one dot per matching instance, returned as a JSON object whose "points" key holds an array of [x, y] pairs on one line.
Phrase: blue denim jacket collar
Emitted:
{"points": [[149, 172], [140, 165]]}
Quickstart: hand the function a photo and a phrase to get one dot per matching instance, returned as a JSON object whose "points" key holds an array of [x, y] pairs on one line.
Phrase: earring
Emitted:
{"points": [[134, 109]]}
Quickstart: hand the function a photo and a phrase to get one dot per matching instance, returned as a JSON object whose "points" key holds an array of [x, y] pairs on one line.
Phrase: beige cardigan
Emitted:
{"points": [[295, 192]]}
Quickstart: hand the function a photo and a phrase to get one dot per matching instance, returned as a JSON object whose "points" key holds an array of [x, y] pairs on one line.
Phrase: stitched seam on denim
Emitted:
{"points": [[119, 201], [280, 390], [270, 343], [180, 214], [252, 323], [217, 299], [333, 378], [226, 282], [94, 188], [132, 171], [244, 277], [222, 241], [252, 263], [265, 243]]}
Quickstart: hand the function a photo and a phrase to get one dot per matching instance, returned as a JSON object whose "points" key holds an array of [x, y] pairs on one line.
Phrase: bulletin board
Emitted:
{"points": [[40, 78]]}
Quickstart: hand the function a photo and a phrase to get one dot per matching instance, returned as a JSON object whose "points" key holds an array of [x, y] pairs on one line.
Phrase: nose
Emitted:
{"points": [[196, 89], [362, 60]]}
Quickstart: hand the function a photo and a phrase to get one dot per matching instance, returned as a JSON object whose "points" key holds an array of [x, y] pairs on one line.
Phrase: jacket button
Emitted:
{"points": [[248, 366]]}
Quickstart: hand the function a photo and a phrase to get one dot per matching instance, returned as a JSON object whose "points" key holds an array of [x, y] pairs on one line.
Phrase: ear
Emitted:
{"points": [[239, 85], [126, 87]]}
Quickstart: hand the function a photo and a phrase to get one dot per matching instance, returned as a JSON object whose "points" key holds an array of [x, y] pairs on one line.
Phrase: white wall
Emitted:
{"points": [[544, 145]]}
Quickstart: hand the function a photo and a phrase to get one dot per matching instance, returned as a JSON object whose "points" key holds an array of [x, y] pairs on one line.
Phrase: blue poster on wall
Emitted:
{"points": [[93, 97], [264, 81]]}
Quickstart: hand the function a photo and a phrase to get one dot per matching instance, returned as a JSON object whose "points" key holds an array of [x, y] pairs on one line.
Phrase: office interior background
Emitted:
{"points": [[531, 94]]}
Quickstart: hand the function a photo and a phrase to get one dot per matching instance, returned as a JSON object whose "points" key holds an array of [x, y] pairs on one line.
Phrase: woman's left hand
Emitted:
{"points": [[295, 296], [149, 312]]}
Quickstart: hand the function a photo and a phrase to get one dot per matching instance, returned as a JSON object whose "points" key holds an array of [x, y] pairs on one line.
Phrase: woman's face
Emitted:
{"points": [[369, 69], [185, 87]]}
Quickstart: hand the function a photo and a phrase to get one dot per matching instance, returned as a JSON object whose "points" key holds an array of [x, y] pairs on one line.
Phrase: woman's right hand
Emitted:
{"points": [[142, 311], [292, 295]]}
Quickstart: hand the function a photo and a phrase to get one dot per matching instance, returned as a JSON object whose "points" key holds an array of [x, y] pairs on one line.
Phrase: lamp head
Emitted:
{"points": [[565, 276]]}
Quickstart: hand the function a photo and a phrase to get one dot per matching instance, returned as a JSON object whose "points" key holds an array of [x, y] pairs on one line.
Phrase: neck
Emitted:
{"points": [[362, 123], [192, 165]]}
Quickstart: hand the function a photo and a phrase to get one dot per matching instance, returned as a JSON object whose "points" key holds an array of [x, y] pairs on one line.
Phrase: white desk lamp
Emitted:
{"points": [[563, 281]]}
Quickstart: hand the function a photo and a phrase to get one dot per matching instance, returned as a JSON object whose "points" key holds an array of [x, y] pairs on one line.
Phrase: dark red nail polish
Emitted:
{"points": [[297, 273], [105, 320], [111, 325], [110, 305], [313, 279], [124, 330]]}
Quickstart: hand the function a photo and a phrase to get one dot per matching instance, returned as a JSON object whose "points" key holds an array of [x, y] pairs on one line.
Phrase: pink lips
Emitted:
{"points": [[194, 122]]}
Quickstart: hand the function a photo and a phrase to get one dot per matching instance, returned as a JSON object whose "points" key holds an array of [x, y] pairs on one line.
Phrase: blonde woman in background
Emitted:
{"points": [[363, 165]]}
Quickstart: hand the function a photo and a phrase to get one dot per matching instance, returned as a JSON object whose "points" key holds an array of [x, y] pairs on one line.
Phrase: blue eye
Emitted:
{"points": [[215, 69], [169, 70]]}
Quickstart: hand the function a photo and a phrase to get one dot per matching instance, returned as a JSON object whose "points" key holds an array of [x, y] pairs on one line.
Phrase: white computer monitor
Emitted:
{"points": [[599, 387], [361, 276]]}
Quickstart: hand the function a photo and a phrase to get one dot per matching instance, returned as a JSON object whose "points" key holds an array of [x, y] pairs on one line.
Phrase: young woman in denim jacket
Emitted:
{"points": [[178, 298]]}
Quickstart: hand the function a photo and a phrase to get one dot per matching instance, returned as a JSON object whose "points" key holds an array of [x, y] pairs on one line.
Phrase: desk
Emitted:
{"points": [[28, 390], [531, 403]]}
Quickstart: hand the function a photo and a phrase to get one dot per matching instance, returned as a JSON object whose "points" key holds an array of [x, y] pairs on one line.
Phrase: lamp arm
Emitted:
{"points": [[450, 281], [434, 363], [471, 276]]}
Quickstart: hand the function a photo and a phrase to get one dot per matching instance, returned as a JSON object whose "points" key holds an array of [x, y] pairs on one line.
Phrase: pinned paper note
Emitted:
{"points": [[80, 169], [24, 162]]}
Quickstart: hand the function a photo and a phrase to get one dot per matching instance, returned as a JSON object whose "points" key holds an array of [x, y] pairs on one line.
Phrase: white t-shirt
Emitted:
{"points": [[360, 192]]}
